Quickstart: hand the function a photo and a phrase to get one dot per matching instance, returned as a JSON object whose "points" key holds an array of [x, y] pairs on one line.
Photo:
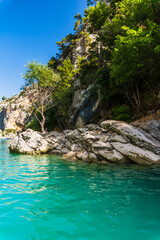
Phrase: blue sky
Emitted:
{"points": [[29, 29]]}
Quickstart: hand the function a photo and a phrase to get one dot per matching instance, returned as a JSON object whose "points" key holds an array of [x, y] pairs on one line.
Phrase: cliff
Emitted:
{"points": [[86, 99], [108, 70], [15, 112]]}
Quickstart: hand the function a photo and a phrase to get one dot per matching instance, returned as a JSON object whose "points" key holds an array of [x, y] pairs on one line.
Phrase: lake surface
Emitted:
{"points": [[47, 198]]}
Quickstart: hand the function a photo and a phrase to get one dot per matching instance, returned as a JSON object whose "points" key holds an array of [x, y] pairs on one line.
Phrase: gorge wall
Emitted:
{"points": [[15, 112]]}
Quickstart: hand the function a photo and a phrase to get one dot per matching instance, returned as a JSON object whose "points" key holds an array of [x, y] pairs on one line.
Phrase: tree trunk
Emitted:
{"points": [[42, 123]]}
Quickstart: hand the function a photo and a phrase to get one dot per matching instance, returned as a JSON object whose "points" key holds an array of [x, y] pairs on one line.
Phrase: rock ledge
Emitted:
{"points": [[111, 142]]}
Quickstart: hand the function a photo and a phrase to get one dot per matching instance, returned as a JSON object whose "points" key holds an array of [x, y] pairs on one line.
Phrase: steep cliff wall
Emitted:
{"points": [[86, 99], [15, 112]]}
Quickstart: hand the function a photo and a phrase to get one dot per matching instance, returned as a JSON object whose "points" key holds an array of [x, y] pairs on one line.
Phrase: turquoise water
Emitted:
{"points": [[47, 198]]}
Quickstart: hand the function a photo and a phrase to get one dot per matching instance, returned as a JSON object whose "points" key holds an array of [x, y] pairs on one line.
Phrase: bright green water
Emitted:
{"points": [[46, 198]]}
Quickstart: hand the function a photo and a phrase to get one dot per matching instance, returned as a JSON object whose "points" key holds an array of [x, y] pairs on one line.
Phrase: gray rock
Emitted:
{"points": [[85, 157], [112, 156], [74, 147], [104, 138], [29, 142], [70, 155], [89, 137], [134, 135], [73, 134], [15, 112], [92, 127], [137, 154], [92, 157], [101, 145], [19, 145], [68, 144], [153, 128], [118, 138], [85, 105], [64, 151], [119, 143]]}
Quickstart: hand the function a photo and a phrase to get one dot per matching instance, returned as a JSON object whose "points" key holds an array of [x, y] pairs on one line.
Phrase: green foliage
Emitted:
{"points": [[34, 125], [102, 79], [40, 74], [134, 57], [64, 92], [90, 2], [125, 56], [40, 83], [96, 15], [86, 70], [121, 113], [52, 63], [66, 72], [65, 43], [4, 98], [9, 131], [122, 58], [78, 23]]}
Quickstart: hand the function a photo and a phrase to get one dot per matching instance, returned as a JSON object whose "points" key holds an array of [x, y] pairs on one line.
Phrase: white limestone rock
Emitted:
{"points": [[101, 145], [70, 155], [134, 135], [137, 154], [92, 157], [121, 143], [18, 145], [112, 156]]}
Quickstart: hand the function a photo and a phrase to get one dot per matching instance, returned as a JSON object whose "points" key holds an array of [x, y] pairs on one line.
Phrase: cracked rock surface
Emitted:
{"points": [[111, 142]]}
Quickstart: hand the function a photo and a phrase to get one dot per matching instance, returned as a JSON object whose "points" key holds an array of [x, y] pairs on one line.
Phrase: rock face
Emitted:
{"points": [[85, 105], [111, 142], [86, 100], [15, 112]]}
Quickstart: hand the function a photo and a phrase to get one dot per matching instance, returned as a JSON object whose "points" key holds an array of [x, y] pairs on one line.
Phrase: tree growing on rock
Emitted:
{"points": [[40, 83]]}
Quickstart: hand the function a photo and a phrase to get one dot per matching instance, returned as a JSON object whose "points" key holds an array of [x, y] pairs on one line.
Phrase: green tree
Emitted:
{"points": [[66, 72], [64, 92], [136, 52], [52, 63], [40, 83], [96, 16], [4, 98], [66, 41], [78, 23]]}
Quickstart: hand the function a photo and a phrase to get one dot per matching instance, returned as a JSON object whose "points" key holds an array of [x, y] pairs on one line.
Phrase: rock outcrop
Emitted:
{"points": [[111, 142], [85, 105], [86, 99], [15, 112]]}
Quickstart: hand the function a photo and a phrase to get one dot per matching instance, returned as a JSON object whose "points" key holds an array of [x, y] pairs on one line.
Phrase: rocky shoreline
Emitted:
{"points": [[7, 135], [110, 142]]}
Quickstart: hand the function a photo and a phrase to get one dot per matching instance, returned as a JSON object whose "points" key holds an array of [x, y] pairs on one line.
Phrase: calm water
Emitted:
{"points": [[47, 198]]}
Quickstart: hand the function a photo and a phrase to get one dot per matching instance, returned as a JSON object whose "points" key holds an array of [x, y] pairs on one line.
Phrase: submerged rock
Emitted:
{"points": [[111, 142]]}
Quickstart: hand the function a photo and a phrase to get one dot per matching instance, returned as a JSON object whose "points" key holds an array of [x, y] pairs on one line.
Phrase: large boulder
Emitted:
{"points": [[152, 127], [133, 135], [29, 142], [136, 154]]}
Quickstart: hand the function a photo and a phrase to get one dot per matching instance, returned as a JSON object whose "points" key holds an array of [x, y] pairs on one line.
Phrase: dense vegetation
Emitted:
{"points": [[121, 56]]}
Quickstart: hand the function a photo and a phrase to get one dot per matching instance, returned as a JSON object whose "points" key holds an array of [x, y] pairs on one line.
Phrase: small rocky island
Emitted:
{"points": [[108, 143]]}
